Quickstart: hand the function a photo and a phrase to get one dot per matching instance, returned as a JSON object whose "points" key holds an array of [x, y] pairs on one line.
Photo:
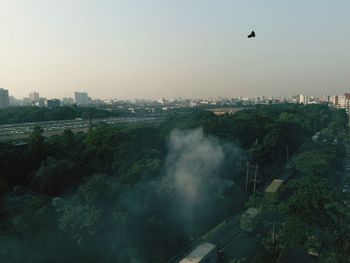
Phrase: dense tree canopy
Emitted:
{"points": [[93, 194]]}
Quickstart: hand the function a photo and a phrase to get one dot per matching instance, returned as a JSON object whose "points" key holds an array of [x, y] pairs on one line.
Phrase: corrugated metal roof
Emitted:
{"points": [[273, 187]]}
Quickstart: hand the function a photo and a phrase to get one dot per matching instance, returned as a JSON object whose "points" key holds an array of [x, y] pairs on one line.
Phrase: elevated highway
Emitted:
{"points": [[23, 130]]}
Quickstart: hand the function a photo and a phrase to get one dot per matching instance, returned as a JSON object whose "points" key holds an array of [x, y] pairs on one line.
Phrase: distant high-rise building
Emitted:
{"points": [[4, 98], [34, 96], [67, 101], [347, 102], [53, 103], [336, 100], [303, 99], [81, 98], [341, 102]]}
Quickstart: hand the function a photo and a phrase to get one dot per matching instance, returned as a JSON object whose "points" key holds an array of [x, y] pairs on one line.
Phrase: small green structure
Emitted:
{"points": [[273, 189], [250, 219]]}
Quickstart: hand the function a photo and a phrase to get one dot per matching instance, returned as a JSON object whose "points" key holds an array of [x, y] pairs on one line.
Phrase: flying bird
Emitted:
{"points": [[252, 34]]}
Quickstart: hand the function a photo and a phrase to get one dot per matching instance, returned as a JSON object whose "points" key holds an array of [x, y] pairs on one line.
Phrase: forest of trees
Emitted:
{"points": [[116, 194], [312, 216]]}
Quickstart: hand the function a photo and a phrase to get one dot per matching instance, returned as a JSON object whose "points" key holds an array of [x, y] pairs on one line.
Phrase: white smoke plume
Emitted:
{"points": [[193, 166]]}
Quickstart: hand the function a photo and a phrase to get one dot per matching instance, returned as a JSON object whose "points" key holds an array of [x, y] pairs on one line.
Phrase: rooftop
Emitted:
{"points": [[273, 187], [199, 253]]}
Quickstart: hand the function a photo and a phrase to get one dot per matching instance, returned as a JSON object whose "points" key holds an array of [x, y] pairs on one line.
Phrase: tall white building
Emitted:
{"points": [[341, 102], [34, 96], [81, 98], [304, 99], [4, 98]]}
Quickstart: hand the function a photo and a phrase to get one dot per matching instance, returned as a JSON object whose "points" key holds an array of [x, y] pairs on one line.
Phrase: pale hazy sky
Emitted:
{"points": [[172, 48]]}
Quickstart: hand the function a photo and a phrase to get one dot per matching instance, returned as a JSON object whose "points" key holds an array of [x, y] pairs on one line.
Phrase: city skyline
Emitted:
{"points": [[71, 95], [35, 96], [114, 49]]}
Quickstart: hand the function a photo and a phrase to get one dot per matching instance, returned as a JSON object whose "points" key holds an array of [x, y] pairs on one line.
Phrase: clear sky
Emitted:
{"points": [[173, 48]]}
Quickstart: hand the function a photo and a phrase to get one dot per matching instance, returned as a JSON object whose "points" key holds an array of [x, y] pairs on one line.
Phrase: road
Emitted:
{"points": [[230, 238], [22, 130], [233, 241]]}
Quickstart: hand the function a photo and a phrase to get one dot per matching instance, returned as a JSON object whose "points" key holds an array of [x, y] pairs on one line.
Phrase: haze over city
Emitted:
{"points": [[174, 131], [152, 49]]}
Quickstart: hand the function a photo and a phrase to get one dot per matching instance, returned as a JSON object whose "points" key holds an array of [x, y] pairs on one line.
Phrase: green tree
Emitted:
{"points": [[142, 168], [35, 215], [314, 210], [107, 148], [86, 215], [54, 175], [67, 138], [37, 149]]}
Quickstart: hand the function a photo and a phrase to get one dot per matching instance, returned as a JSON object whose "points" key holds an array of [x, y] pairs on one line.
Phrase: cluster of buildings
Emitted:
{"points": [[34, 99], [4, 98], [341, 102], [82, 98]]}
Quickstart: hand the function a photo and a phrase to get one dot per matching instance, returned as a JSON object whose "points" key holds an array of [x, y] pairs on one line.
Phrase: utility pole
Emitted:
{"points": [[255, 181], [255, 175], [247, 177], [273, 233]]}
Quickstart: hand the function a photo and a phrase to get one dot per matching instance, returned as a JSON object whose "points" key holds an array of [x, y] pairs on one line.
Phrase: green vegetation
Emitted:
{"points": [[313, 213], [126, 193]]}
